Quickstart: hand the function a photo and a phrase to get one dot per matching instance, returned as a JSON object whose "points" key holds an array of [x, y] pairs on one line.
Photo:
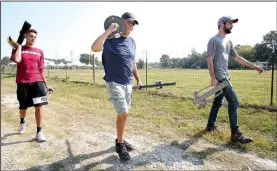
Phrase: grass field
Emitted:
{"points": [[170, 118], [251, 87]]}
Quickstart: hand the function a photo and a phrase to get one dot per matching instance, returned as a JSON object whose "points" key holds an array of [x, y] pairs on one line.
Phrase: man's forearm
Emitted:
{"points": [[17, 56], [135, 73], [211, 67], [244, 62], [97, 46], [44, 79]]}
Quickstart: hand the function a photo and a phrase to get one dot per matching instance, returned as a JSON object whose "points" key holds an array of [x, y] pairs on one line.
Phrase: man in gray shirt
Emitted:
{"points": [[219, 50]]}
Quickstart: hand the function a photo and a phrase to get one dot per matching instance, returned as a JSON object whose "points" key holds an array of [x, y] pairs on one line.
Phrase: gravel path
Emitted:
{"points": [[91, 147]]}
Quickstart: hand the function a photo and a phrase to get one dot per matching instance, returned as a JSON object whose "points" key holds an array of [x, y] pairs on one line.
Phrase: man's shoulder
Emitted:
{"points": [[214, 38], [217, 39], [132, 39], [38, 50], [33, 48]]}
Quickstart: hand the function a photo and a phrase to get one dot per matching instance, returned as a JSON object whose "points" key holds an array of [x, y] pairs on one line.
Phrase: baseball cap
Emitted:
{"points": [[227, 19], [129, 16]]}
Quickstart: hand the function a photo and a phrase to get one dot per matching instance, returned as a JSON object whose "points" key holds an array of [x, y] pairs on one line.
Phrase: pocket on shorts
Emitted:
{"points": [[41, 89], [21, 92], [129, 94], [115, 91], [39, 96]]}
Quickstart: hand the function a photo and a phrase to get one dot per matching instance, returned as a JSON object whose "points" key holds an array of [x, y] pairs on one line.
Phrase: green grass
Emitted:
{"points": [[168, 117], [251, 87]]}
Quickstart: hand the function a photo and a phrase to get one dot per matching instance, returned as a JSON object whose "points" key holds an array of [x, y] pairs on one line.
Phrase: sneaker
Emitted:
{"points": [[120, 148], [239, 137], [21, 128], [210, 128], [128, 146], [40, 137]]}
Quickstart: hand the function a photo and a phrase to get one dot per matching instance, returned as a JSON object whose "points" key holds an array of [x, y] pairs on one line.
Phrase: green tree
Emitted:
{"points": [[5, 61], [165, 61], [263, 50], [176, 62], [270, 37], [246, 51], [97, 62], [140, 63], [86, 58]]}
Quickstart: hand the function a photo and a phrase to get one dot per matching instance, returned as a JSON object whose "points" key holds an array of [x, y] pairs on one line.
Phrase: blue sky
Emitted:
{"points": [[173, 28]]}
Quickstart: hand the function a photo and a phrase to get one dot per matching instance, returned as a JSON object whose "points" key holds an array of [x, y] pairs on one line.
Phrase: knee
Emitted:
{"points": [[122, 115], [217, 104], [234, 102]]}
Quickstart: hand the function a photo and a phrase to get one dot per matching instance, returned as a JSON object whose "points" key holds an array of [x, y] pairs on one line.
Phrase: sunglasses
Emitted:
{"points": [[131, 22]]}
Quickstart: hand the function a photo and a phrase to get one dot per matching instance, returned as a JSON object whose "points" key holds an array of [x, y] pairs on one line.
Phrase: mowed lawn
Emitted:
{"points": [[251, 87], [172, 118]]}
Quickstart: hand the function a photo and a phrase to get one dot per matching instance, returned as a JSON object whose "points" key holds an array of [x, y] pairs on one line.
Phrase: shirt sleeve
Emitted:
{"points": [[233, 51], [211, 47], [41, 62], [135, 48]]}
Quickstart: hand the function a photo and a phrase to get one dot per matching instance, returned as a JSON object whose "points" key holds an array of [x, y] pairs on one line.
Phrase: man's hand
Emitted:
{"points": [[49, 90], [113, 27], [214, 82], [139, 84], [258, 68]]}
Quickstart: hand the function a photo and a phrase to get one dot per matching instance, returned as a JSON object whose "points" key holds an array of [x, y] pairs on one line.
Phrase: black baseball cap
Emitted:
{"points": [[129, 16]]}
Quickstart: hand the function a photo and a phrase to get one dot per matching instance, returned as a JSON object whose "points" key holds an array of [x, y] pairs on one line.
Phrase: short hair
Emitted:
{"points": [[219, 25], [32, 30]]}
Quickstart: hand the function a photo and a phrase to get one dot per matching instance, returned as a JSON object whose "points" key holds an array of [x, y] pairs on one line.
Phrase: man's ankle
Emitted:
{"points": [[120, 142], [22, 120]]}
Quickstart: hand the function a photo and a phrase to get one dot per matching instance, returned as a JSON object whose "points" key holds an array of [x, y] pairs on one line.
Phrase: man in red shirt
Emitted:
{"points": [[31, 83]]}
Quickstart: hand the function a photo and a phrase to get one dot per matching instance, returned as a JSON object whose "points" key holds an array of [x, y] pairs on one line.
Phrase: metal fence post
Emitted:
{"points": [[93, 57], [272, 74], [146, 68]]}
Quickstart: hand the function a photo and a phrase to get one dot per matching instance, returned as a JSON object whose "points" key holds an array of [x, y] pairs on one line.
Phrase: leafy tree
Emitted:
{"points": [[86, 58], [165, 61], [5, 61], [140, 63], [263, 50]]}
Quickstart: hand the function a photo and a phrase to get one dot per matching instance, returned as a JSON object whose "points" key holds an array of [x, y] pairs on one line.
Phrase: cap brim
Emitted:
{"points": [[235, 20], [133, 20]]}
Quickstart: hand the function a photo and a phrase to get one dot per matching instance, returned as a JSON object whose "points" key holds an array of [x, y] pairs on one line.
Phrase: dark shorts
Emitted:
{"points": [[31, 94]]}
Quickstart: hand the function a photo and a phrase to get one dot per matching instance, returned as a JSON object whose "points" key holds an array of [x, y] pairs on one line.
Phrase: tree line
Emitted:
{"points": [[259, 52]]}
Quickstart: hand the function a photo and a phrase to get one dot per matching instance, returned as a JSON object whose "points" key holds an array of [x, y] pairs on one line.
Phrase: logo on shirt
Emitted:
{"points": [[31, 52]]}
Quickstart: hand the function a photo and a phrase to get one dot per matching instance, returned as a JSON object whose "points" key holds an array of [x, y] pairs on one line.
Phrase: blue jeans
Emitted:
{"points": [[233, 104]]}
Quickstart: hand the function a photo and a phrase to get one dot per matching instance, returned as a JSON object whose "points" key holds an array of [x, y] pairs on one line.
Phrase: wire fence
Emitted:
{"points": [[252, 88]]}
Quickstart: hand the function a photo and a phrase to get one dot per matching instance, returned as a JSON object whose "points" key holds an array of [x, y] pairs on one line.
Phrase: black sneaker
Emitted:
{"points": [[239, 137], [128, 146], [122, 152], [210, 128]]}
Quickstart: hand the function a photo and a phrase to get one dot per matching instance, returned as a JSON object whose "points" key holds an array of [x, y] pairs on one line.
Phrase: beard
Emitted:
{"points": [[226, 30]]}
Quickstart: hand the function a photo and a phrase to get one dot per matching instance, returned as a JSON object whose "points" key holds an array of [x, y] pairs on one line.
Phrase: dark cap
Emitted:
{"points": [[225, 19], [129, 16]]}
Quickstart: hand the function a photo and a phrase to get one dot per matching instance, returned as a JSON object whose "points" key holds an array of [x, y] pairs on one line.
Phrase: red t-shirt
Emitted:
{"points": [[31, 66]]}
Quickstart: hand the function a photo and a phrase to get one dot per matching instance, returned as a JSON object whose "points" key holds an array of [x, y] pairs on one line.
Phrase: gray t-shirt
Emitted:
{"points": [[221, 48]]}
